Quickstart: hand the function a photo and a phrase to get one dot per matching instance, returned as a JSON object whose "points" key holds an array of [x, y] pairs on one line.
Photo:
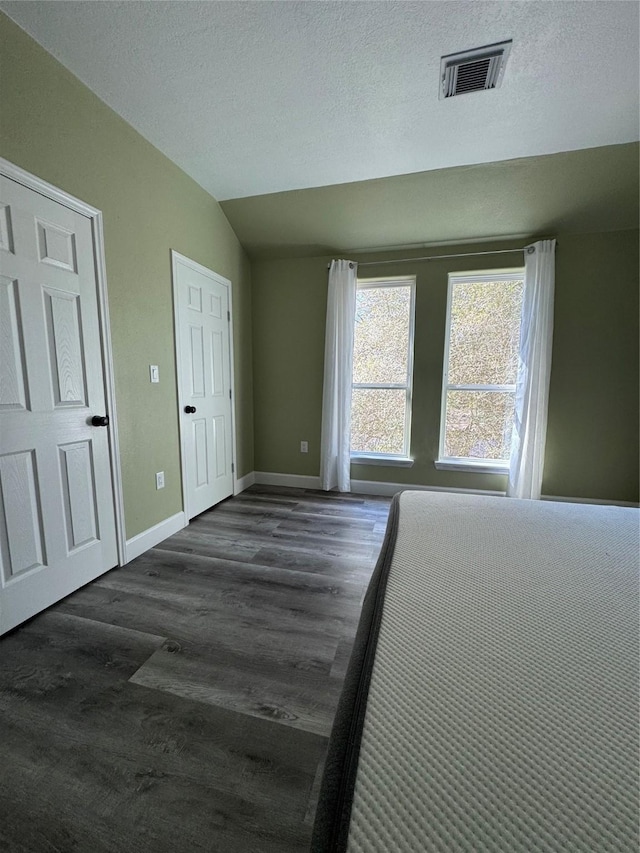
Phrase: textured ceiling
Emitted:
{"points": [[259, 97]]}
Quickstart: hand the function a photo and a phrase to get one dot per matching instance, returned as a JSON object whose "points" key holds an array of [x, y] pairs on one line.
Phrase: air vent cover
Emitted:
{"points": [[473, 70]]}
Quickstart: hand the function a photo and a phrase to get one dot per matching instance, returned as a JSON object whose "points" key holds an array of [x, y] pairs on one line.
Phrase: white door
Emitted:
{"points": [[57, 520], [203, 343]]}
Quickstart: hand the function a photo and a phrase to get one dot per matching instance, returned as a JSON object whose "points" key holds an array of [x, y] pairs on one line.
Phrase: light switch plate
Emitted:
{"points": [[160, 480], [154, 373]]}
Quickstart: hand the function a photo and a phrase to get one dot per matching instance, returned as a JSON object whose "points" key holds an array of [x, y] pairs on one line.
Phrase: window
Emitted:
{"points": [[382, 370], [480, 370]]}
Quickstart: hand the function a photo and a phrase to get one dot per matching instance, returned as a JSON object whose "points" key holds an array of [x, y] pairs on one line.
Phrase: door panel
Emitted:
{"points": [[65, 348], [204, 364], [13, 387], [57, 510], [6, 231], [21, 514], [197, 361], [78, 489], [217, 365], [56, 246], [201, 455], [220, 448]]}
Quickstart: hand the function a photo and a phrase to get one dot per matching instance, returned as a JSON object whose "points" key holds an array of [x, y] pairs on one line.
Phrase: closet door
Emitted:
{"points": [[57, 524]]}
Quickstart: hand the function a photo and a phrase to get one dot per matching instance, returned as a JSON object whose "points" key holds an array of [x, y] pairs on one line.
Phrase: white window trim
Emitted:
{"points": [[403, 459], [464, 463], [381, 459]]}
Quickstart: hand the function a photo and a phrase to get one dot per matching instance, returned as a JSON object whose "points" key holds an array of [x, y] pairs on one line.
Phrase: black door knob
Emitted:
{"points": [[190, 410], [100, 420]]}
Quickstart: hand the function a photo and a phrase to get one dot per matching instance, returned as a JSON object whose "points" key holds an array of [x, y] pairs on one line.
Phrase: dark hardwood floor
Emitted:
{"points": [[183, 702]]}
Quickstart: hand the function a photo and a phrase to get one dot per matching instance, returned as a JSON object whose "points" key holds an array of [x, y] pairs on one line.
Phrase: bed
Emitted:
{"points": [[491, 702]]}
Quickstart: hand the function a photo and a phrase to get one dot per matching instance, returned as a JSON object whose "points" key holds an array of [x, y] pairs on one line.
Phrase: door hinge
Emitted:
{"points": [[229, 316], [229, 393], [233, 468]]}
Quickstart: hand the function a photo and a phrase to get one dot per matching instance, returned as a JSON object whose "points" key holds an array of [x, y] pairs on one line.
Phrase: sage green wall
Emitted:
{"points": [[592, 445], [592, 435], [571, 192], [54, 127]]}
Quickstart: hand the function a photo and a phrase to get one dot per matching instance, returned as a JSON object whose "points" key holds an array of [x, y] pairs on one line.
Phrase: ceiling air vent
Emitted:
{"points": [[473, 70]]}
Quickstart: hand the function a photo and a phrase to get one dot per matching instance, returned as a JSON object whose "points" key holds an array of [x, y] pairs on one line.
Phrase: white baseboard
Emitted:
{"points": [[598, 501], [361, 487], [243, 483], [296, 481], [373, 487], [378, 487], [153, 535]]}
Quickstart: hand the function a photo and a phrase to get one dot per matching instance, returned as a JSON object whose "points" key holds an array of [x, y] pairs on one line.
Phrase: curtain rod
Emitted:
{"points": [[527, 249]]}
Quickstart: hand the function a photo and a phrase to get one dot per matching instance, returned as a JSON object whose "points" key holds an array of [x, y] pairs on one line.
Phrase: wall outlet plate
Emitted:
{"points": [[160, 480], [304, 447]]}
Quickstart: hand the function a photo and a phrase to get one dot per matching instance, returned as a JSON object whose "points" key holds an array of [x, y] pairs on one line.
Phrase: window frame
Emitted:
{"points": [[468, 463], [404, 459]]}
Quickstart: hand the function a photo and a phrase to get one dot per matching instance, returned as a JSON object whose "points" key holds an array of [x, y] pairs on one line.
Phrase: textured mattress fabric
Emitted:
{"points": [[503, 707]]}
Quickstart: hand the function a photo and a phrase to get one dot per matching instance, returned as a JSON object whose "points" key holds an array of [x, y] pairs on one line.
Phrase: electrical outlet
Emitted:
{"points": [[154, 373], [304, 447], [160, 480]]}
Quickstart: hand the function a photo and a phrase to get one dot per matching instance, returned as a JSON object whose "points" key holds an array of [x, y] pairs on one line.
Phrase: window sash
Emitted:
{"points": [[407, 386], [466, 278], [481, 387], [396, 386]]}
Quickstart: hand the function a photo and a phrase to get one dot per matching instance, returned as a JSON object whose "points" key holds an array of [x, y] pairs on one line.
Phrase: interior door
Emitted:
{"points": [[204, 364], [57, 521]]}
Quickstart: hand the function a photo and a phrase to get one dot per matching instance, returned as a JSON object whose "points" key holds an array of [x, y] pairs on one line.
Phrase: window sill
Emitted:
{"points": [[379, 459], [479, 466]]}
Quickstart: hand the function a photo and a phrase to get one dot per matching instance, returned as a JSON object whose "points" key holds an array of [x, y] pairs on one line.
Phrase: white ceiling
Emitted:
{"points": [[258, 97]]}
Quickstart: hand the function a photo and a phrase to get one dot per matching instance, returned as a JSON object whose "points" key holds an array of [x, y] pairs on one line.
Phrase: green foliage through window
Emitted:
{"points": [[484, 339], [381, 357]]}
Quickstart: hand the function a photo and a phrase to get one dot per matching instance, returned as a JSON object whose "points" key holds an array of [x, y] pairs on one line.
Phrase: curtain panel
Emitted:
{"points": [[335, 463], [532, 386]]}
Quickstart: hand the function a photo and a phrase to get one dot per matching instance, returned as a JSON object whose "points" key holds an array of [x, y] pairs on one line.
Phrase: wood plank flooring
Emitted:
{"points": [[183, 702]]}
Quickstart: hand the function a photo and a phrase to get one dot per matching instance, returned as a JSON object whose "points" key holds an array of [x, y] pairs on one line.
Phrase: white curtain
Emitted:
{"points": [[532, 386], [338, 369]]}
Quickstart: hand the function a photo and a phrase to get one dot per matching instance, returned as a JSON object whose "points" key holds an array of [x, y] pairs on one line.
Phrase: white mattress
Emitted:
{"points": [[503, 707]]}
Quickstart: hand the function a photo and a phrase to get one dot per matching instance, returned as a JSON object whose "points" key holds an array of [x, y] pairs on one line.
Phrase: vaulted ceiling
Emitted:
{"points": [[262, 97]]}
